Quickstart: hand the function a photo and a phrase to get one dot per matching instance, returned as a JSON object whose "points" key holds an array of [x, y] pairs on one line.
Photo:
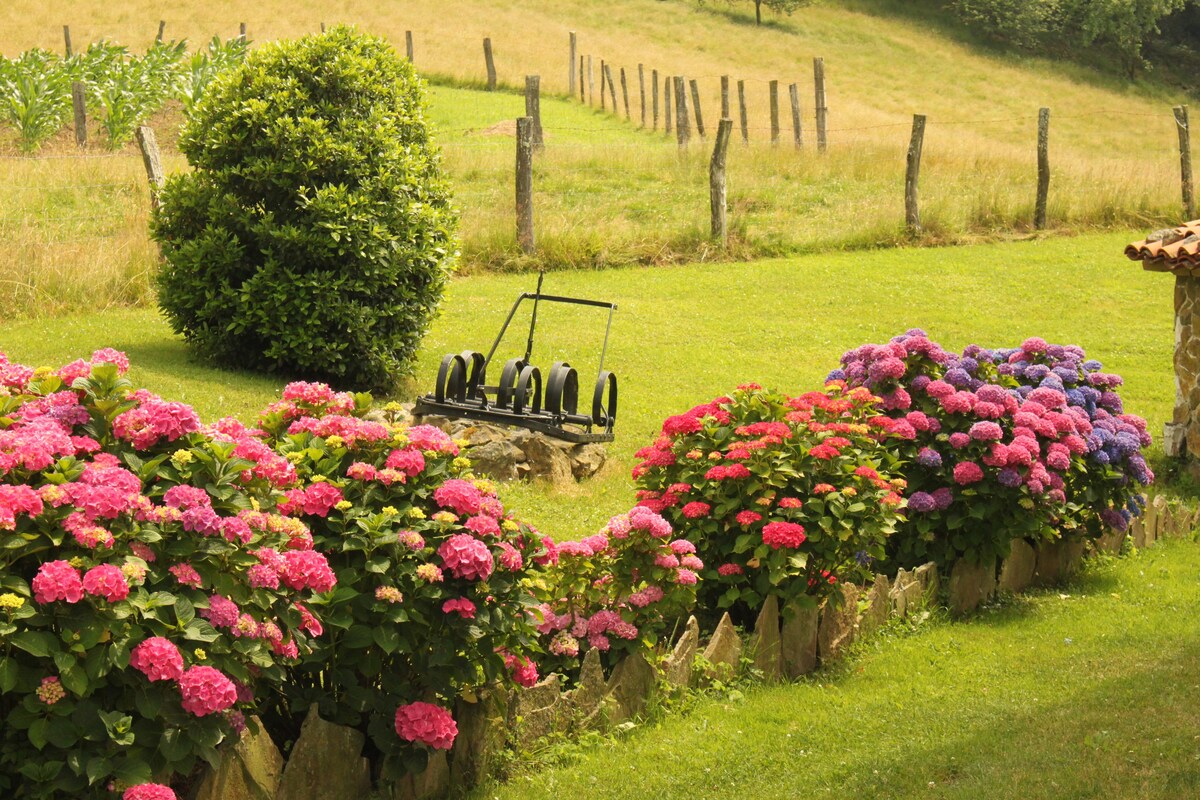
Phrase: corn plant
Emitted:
{"points": [[35, 96], [205, 65], [137, 89]]}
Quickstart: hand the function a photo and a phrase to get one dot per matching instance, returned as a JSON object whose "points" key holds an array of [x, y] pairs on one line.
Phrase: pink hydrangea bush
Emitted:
{"points": [[1029, 442], [132, 633], [430, 598], [780, 495], [618, 591]]}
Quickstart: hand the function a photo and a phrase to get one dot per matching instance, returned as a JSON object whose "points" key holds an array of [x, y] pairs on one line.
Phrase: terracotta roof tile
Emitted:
{"points": [[1170, 250]]}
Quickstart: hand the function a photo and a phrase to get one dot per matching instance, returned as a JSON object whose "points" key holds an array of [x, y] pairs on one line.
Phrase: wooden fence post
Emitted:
{"points": [[571, 63], [603, 78], [797, 133], [533, 107], [725, 98], [696, 103], [654, 96], [668, 108], [162, 29], [745, 119], [612, 87], [242, 31], [67, 39], [408, 46], [1043, 184], [491, 64], [322, 27], [525, 184], [624, 93], [716, 182], [79, 104], [591, 83], [582, 91], [682, 125], [642, 91], [912, 213], [822, 109], [774, 89], [1185, 160], [152, 159]]}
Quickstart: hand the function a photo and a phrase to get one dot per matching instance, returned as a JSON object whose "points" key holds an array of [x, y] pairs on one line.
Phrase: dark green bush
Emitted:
{"points": [[315, 233]]}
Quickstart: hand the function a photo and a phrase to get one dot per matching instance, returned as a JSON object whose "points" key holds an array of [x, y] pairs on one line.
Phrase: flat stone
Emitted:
{"points": [[927, 576], [434, 780], [1072, 560], [249, 769], [838, 622], [481, 735], [1054, 561], [1111, 542], [798, 641], [496, 459], [540, 723], [630, 686], [1175, 440], [542, 694], [878, 606], [897, 594], [548, 462], [588, 695], [766, 641], [971, 584], [587, 460], [1137, 531], [724, 651], [677, 669], [326, 763], [1016, 572]]}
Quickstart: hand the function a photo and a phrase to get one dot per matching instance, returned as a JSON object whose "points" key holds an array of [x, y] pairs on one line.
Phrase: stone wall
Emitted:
{"points": [[1181, 436], [327, 764]]}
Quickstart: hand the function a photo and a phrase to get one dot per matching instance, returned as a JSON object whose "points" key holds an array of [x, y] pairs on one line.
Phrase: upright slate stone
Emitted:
{"points": [[766, 642], [326, 763], [798, 642]]}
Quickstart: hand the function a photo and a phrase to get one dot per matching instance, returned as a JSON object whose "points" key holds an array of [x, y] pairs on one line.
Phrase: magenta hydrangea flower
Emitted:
{"points": [[57, 580], [460, 605], [206, 690], [783, 534], [427, 724], [466, 557], [107, 581], [460, 495], [966, 472], [307, 569], [158, 659]]}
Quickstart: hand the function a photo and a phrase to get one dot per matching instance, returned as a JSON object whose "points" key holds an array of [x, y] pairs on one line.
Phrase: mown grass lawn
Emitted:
{"points": [[683, 335], [1088, 691]]}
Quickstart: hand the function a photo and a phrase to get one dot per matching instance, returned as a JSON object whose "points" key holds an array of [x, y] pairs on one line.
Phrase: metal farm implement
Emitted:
{"points": [[518, 398]]}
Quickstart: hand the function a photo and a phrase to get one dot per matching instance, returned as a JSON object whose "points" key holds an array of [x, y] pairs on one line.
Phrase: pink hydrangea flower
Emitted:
{"points": [[307, 569], [221, 612], [411, 462], [186, 575], [425, 723], [524, 671], [57, 580], [107, 581], [783, 534], [466, 557], [50, 691], [730, 569], [966, 472], [460, 605], [460, 495], [158, 659], [696, 509], [149, 791], [206, 690]]}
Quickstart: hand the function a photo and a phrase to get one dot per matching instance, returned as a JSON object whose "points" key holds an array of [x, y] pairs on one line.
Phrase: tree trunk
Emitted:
{"points": [[758, 12]]}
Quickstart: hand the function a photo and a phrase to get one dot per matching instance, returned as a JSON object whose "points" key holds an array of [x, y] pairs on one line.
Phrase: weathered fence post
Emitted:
{"points": [[603, 78], [797, 133], [591, 84], [162, 29], [242, 31], [725, 98], [654, 96], [642, 91], [525, 184], [774, 91], [912, 214], [79, 104], [490, 63], [716, 181], [152, 160], [582, 91], [745, 119], [682, 125], [1043, 184], [571, 63], [533, 107], [67, 39], [668, 109], [624, 93], [612, 87], [322, 27], [408, 46], [822, 109], [696, 103], [1185, 160]]}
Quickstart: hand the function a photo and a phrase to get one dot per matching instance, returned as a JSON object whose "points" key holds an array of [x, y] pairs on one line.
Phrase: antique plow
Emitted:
{"points": [[520, 397]]}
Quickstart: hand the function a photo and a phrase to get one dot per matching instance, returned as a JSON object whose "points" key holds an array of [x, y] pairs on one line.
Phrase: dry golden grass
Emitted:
{"points": [[608, 193]]}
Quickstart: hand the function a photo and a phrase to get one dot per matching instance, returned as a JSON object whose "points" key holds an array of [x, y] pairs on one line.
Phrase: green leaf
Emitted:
{"points": [[36, 643], [37, 732], [9, 672]]}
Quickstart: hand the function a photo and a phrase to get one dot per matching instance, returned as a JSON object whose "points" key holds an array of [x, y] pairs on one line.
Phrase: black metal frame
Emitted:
{"points": [[462, 390]]}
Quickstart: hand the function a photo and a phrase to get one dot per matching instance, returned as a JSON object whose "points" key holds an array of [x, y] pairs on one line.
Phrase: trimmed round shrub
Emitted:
{"points": [[136, 623], [314, 234], [431, 600], [1021, 443], [782, 496]]}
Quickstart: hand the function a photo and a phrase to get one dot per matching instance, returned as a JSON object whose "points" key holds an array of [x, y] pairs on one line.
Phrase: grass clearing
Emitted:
{"points": [[73, 232], [1082, 692], [683, 335]]}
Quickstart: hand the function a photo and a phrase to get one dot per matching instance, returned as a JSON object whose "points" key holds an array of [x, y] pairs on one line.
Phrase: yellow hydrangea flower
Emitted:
{"points": [[181, 457], [343, 505], [9, 600]]}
